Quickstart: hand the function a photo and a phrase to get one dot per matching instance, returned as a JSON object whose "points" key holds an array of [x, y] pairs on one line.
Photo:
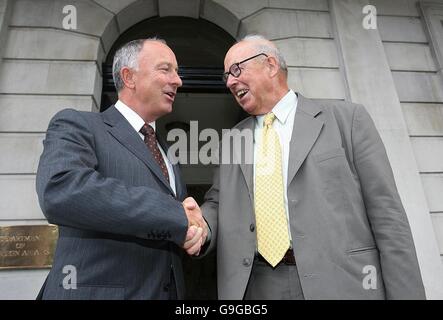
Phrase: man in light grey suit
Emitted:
{"points": [[347, 233], [105, 180]]}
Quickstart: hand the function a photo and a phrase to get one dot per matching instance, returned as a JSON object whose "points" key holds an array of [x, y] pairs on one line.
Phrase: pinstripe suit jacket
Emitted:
{"points": [[120, 224]]}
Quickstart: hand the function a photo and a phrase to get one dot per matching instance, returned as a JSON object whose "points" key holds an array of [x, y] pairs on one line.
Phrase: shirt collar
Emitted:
{"points": [[131, 116], [282, 109]]}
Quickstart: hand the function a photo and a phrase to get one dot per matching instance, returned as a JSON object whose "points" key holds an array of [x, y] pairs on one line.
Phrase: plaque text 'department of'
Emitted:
{"points": [[27, 247]]}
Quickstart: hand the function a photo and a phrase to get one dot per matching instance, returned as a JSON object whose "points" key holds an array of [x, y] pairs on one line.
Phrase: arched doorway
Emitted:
{"points": [[200, 47]]}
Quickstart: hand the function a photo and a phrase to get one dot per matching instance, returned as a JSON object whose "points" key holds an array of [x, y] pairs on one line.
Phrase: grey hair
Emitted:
{"points": [[261, 44], [127, 56]]}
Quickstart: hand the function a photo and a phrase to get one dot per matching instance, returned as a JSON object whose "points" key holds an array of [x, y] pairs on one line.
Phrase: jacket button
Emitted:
{"points": [[246, 262], [252, 227]]}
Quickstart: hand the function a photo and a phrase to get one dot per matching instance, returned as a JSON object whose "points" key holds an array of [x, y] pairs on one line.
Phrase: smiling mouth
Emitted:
{"points": [[170, 94], [241, 93]]}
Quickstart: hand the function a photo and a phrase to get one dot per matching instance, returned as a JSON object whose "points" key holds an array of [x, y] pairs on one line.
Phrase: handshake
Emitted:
{"points": [[197, 227]]}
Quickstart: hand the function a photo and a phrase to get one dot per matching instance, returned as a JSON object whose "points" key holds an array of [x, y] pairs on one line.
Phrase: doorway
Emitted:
{"points": [[199, 47]]}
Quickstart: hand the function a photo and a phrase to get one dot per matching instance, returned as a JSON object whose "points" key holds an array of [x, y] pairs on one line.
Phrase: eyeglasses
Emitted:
{"points": [[235, 69]]}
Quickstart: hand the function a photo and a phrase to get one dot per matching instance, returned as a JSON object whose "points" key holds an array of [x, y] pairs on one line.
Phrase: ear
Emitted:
{"points": [[127, 76], [273, 66]]}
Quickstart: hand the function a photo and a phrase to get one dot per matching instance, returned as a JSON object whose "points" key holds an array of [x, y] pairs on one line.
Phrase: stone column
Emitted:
{"points": [[5, 13]]}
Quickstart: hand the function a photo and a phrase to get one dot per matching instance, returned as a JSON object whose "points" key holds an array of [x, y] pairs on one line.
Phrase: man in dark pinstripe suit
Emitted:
{"points": [[118, 201]]}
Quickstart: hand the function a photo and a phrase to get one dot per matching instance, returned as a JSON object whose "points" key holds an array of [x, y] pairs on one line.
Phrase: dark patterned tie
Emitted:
{"points": [[151, 143]]}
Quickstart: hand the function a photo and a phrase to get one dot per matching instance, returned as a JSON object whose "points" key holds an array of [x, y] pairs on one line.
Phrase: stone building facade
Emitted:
{"points": [[387, 55]]}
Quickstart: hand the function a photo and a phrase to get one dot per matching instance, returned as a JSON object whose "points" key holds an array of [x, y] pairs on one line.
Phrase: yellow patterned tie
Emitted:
{"points": [[270, 215]]}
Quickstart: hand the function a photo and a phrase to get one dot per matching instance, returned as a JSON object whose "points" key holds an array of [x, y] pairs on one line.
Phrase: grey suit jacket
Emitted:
{"points": [[346, 218], [120, 224]]}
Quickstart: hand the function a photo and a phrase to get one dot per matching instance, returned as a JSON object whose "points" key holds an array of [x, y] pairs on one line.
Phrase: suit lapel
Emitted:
{"points": [[304, 134], [180, 187], [247, 168], [121, 130]]}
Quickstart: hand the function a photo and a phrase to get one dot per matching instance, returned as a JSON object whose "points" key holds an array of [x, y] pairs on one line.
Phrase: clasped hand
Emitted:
{"points": [[197, 227]]}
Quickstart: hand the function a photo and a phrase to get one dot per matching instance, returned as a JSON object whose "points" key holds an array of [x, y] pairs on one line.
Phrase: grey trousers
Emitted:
{"points": [[279, 283]]}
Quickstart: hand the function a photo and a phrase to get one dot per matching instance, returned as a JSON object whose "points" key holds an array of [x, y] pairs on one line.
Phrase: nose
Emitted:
{"points": [[177, 81], [231, 81]]}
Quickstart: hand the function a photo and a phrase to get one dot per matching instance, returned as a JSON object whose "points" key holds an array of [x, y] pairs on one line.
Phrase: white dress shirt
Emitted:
{"points": [[284, 112], [137, 123]]}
